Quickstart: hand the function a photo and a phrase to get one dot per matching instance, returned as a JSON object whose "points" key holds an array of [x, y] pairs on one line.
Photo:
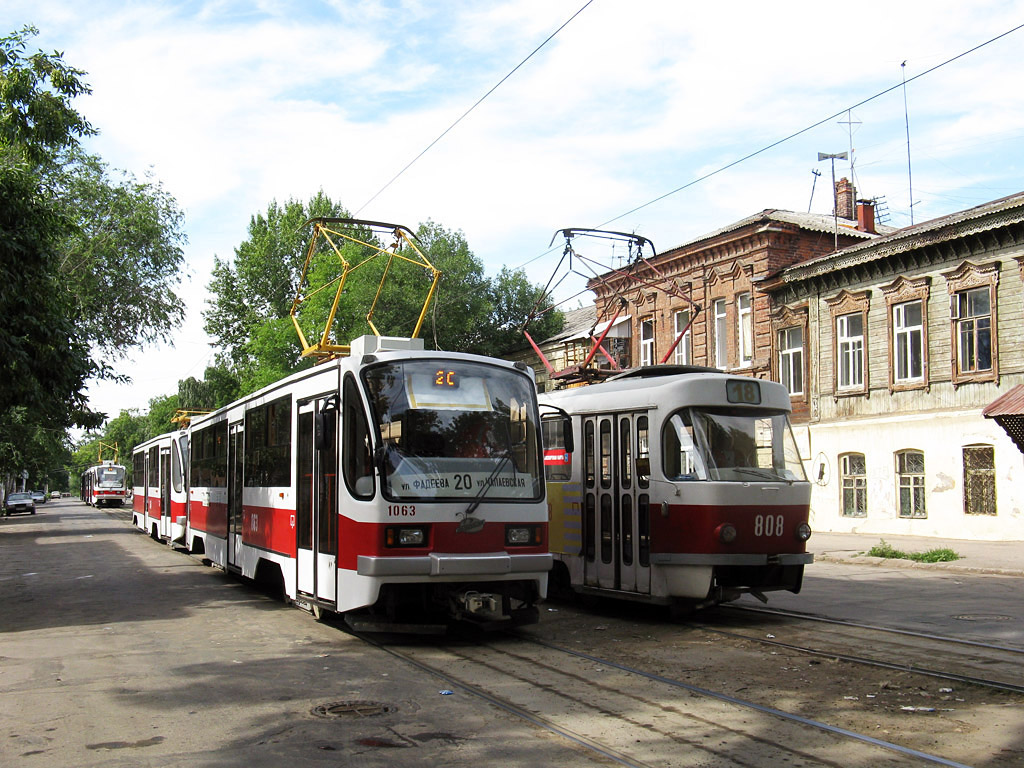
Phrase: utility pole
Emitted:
{"points": [[835, 200]]}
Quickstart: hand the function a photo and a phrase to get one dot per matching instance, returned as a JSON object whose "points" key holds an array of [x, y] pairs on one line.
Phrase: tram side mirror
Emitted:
{"points": [[567, 438], [643, 466]]}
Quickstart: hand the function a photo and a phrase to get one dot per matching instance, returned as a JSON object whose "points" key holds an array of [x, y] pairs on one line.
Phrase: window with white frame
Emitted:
{"points": [[979, 480], [745, 328], [908, 341], [647, 341], [854, 480], [972, 316], [910, 482], [721, 335], [791, 359], [850, 352], [684, 351]]}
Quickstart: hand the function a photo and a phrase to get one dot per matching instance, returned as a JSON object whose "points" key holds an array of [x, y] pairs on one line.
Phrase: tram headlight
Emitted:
{"points": [[522, 535], [803, 532], [405, 536], [726, 533]]}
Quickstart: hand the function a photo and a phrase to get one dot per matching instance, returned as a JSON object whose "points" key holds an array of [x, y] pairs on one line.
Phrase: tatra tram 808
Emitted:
{"points": [[685, 489]]}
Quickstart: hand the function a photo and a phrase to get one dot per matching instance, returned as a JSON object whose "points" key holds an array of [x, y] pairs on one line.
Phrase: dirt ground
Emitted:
{"points": [[963, 722]]}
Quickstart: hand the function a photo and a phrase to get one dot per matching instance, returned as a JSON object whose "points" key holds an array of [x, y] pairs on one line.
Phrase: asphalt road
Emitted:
{"points": [[118, 651]]}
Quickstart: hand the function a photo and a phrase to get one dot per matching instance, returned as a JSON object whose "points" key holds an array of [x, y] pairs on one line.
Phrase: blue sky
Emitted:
{"points": [[234, 104]]}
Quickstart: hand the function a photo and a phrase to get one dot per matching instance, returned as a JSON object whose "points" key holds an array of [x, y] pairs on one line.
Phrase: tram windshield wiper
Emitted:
{"points": [[472, 524], [765, 474]]}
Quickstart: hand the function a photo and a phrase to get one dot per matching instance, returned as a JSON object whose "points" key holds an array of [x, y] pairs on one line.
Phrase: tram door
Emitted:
{"points": [[316, 503], [616, 502], [235, 454], [165, 492]]}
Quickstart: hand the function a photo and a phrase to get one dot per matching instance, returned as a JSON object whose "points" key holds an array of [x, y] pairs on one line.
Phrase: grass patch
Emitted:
{"points": [[942, 555]]}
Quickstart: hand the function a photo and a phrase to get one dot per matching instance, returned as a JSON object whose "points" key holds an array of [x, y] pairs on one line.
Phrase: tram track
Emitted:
{"points": [[636, 717], [989, 665]]}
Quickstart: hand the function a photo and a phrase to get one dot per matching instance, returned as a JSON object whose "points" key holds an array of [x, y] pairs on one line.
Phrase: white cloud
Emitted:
{"points": [[235, 104]]}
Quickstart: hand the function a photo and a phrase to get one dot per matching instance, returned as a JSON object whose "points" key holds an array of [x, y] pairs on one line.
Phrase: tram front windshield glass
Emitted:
{"points": [[738, 445], [111, 477], [455, 430]]}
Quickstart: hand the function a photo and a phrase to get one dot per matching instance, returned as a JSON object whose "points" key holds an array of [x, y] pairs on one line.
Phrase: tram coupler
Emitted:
{"points": [[479, 605]]}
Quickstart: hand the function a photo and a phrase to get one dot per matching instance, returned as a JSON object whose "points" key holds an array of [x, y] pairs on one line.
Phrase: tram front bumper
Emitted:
{"points": [[441, 564]]}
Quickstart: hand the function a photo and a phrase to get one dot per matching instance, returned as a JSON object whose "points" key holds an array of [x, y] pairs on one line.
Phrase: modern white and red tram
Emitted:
{"points": [[104, 484], [395, 486], [687, 488], [159, 488]]}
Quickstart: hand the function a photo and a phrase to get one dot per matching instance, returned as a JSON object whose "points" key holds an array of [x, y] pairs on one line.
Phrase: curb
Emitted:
{"points": [[954, 566]]}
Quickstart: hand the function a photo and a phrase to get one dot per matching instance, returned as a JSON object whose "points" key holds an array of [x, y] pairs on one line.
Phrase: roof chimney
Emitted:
{"points": [[866, 216], [844, 199]]}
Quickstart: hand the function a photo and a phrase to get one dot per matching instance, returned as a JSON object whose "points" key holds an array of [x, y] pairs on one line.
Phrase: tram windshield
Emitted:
{"points": [[453, 429], [110, 477], [737, 445]]}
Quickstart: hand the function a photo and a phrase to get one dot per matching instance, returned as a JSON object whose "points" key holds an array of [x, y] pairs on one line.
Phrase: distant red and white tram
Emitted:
{"points": [[686, 488], [104, 484], [393, 485], [159, 491]]}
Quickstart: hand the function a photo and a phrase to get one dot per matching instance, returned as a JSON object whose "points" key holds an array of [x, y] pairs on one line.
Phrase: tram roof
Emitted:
{"points": [[671, 387]]}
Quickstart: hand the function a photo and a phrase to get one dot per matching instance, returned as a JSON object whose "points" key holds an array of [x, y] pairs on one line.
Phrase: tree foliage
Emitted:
{"points": [[88, 263], [248, 314], [121, 260], [35, 99]]}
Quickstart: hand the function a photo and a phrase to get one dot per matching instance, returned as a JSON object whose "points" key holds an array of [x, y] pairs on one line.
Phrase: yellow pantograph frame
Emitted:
{"points": [[327, 228]]}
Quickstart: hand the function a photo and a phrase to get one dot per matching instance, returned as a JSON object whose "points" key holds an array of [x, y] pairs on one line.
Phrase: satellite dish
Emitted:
{"points": [[821, 470]]}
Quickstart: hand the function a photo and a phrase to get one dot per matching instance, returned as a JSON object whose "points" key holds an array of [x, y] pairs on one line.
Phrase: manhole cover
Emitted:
{"points": [[982, 617], [352, 709]]}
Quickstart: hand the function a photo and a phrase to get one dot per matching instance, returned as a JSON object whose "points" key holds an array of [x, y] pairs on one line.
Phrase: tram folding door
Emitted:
{"points": [[316, 509], [165, 492], [616, 523], [236, 435]]}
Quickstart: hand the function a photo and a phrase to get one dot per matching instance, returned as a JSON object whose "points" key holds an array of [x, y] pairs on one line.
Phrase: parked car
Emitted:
{"points": [[19, 502], [38, 497]]}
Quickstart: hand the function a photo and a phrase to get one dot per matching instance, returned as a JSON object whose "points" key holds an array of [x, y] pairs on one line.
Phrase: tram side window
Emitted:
{"points": [[589, 456], [208, 457], [154, 467], [625, 453], [643, 452], [268, 445], [175, 470], [679, 453], [606, 453], [557, 462], [139, 468], [357, 455]]}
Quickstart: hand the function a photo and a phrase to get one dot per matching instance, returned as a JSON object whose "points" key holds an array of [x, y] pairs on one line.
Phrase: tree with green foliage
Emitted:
{"points": [[122, 259], [253, 293], [248, 315], [88, 263]]}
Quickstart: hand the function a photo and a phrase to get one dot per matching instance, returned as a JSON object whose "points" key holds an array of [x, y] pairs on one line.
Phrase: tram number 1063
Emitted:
{"points": [[768, 525]]}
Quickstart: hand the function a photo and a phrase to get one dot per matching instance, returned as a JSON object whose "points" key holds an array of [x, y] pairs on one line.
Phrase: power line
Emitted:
{"points": [[791, 136], [477, 104]]}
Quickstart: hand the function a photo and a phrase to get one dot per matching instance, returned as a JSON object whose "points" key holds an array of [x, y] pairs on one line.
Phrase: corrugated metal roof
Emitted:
{"points": [[981, 218], [1011, 403], [814, 222], [576, 322]]}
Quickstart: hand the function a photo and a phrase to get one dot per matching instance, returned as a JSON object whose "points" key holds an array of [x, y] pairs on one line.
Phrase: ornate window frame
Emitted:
{"points": [[842, 304], [783, 319], [901, 291], [969, 276]]}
